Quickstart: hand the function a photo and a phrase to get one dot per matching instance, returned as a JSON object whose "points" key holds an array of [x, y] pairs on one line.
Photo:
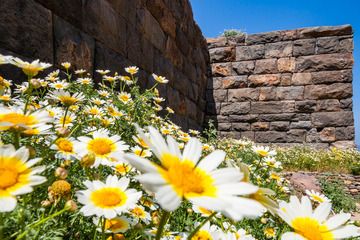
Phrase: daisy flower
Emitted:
{"points": [[314, 225], [141, 152], [114, 225], [103, 93], [65, 121], [14, 118], [66, 65], [102, 72], [59, 85], [107, 199], [64, 147], [30, 69], [269, 232], [66, 98], [17, 176], [184, 176], [84, 81], [94, 111], [203, 211], [139, 213], [124, 97], [159, 79], [316, 196], [123, 168], [140, 141], [80, 71], [241, 234], [207, 232], [132, 70], [103, 146], [169, 110], [263, 151]]}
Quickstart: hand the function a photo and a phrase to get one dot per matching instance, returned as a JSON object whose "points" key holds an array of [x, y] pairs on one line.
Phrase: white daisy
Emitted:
{"points": [[159, 79], [132, 70], [30, 69], [263, 151], [107, 199], [316, 196], [114, 225]]}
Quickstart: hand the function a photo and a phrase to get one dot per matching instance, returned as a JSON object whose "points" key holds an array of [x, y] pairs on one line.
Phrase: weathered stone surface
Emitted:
{"points": [[235, 108], [304, 47], [301, 79], [285, 79], [234, 82], [216, 42], [329, 119], [279, 49], [224, 54], [248, 135], [279, 126], [276, 117], [243, 67], [266, 107], [106, 58], [286, 64], [301, 117], [244, 118], [346, 103], [264, 80], [224, 126], [335, 90], [324, 62], [333, 45], [219, 95], [301, 125], [222, 69], [250, 52], [243, 94], [325, 31], [328, 105], [290, 93], [331, 76], [343, 144], [306, 106], [213, 108], [302, 182], [260, 126], [267, 93], [296, 135], [288, 106], [26, 29], [345, 133], [238, 126], [327, 134], [260, 38], [73, 46], [266, 66], [270, 136]]}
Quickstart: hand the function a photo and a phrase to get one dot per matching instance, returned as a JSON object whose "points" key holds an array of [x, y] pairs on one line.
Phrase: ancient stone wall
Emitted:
{"points": [[159, 36], [284, 86]]}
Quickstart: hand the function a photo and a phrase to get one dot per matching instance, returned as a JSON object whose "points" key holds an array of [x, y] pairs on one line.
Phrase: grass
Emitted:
{"points": [[307, 159]]}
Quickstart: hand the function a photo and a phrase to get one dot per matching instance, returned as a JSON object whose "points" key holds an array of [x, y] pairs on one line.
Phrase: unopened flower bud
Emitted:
{"points": [[45, 203], [35, 83], [88, 160], [60, 188], [63, 132], [32, 152], [71, 205], [61, 173]]}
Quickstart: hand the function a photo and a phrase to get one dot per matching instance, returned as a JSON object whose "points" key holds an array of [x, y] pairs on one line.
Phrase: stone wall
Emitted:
{"points": [[284, 87], [159, 36]]}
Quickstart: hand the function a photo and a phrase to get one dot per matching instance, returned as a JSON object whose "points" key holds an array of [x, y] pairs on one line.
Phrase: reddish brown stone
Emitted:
{"points": [[264, 80]]}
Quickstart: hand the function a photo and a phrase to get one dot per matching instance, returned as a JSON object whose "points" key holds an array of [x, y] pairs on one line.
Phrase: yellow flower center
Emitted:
{"points": [[124, 98], [205, 211], [115, 224], [202, 235], [139, 212], [67, 100], [101, 146], [262, 153], [317, 198], [311, 229], [31, 70], [67, 120], [108, 197], [58, 85], [186, 179], [8, 177], [122, 168], [64, 145]]}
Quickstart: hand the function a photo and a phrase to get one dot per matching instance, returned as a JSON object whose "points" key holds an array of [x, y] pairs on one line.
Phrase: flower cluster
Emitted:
{"points": [[103, 163]]}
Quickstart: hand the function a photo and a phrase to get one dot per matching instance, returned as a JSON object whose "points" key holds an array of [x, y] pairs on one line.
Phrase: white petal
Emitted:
{"points": [[322, 211], [239, 188], [210, 203], [173, 146], [292, 236], [151, 178], [212, 161], [157, 143], [32, 162], [139, 163], [168, 198], [337, 220], [7, 204], [346, 232], [306, 206], [23, 190], [225, 175], [192, 150], [22, 154]]}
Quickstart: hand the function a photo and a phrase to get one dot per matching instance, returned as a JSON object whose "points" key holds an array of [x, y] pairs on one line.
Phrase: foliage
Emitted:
{"points": [[232, 33], [308, 159]]}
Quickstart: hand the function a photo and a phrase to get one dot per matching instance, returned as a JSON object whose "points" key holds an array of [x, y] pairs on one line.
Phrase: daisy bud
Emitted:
{"points": [[45, 203], [35, 83], [88, 160], [60, 188], [61, 173], [63, 132], [71, 205], [263, 220], [189, 210]]}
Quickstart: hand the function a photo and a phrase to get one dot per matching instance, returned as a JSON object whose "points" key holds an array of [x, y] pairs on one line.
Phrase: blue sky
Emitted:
{"points": [[254, 16]]}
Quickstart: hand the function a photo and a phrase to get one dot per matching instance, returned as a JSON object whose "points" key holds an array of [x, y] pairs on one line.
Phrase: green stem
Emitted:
{"points": [[28, 96], [200, 226], [35, 224], [66, 111], [17, 139], [164, 218], [103, 228]]}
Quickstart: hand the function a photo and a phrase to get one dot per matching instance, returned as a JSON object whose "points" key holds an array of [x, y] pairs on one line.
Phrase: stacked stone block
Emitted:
{"points": [[284, 87], [159, 36]]}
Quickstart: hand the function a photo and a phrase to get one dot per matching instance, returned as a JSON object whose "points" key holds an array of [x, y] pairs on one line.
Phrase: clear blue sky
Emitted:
{"points": [[254, 16]]}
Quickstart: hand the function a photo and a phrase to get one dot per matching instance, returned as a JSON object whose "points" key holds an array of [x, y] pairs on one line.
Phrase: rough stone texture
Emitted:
{"points": [[158, 36], [287, 87]]}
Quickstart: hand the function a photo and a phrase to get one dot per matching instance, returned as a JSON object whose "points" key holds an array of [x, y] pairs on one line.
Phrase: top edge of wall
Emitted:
{"points": [[281, 35]]}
